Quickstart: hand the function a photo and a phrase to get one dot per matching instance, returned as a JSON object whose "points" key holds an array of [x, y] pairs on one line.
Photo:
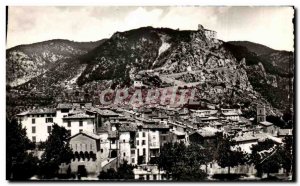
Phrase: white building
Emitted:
{"points": [[38, 123], [137, 83], [149, 173], [79, 122]]}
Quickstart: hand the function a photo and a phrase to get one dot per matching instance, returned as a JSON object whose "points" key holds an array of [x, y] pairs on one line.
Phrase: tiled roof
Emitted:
{"points": [[64, 106], [155, 126], [89, 134], [246, 137], [178, 133], [23, 113], [230, 114], [78, 116], [266, 123], [104, 112], [112, 134], [42, 111], [128, 127]]}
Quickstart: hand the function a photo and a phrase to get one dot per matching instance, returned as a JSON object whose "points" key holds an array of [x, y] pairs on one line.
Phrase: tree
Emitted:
{"points": [[182, 162], [271, 164], [255, 156], [20, 165], [57, 151], [110, 174], [226, 157], [124, 172], [286, 153]]}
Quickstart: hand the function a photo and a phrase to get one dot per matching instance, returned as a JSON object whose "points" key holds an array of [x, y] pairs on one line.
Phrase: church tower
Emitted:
{"points": [[261, 113]]}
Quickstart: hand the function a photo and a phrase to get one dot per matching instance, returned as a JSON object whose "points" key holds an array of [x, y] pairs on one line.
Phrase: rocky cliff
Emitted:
{"points": [[223, 73]]}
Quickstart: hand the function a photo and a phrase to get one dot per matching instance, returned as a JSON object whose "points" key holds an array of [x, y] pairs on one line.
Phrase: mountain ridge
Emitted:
{"points": [[116, 61]]}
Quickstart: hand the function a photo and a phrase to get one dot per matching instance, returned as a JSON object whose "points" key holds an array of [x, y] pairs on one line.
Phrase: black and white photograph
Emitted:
{"points": [[150, 94]]}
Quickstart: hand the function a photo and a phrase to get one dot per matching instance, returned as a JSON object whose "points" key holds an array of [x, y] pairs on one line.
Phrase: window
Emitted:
{"points": [[80, 123], [49, 120], [80, 130], [124, 154], [69, 131], [137, 134], [148, 177], [154, 176], [91, 146], [132, 151], [163, 138], [49, 129], [143, 142], [86, 147], [141, 177], [33, 120], [144, 134], [132, 160], [33, 130], [69, 123], [144, 151], [123, 141], [101, 150], [138, 153], [33, 139], [113, 141], [137, 142]]}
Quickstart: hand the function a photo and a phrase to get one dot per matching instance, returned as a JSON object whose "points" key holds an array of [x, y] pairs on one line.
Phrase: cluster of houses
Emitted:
{"points": [[105, 137]]}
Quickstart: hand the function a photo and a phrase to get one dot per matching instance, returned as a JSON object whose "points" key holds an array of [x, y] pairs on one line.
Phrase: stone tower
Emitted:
{"points": [[200, 27], [261, 113]]}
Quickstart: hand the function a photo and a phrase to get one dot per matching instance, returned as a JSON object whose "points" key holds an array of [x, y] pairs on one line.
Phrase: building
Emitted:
{"points": [[79, 122], [205, 137], [267, 127], [128, 151], [86, 152], [261, 113], [232, 116], [149, 172], [38, 123], [210, 34], [137, 83]]}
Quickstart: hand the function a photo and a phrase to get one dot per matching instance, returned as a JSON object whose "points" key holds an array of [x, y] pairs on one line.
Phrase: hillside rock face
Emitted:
{"points": [[270, 72], [26, 62], [224, 74]]}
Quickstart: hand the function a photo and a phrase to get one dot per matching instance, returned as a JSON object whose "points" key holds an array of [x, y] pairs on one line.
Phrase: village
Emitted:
{"points": [[104, 137]]}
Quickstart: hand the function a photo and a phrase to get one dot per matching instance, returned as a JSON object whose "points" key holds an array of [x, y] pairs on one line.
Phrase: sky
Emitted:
{"points": [[270, 26]]}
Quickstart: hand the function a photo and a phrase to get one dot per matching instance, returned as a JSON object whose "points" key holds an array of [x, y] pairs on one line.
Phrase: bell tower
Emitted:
{"points": [[261, 113]]}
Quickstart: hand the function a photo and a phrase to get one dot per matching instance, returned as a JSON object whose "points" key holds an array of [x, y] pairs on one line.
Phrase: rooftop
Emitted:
{"points": [[64, 106], [42, 111], [88, 134], [128, 127], [104, 112], [266, 123], [78, 116]]}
